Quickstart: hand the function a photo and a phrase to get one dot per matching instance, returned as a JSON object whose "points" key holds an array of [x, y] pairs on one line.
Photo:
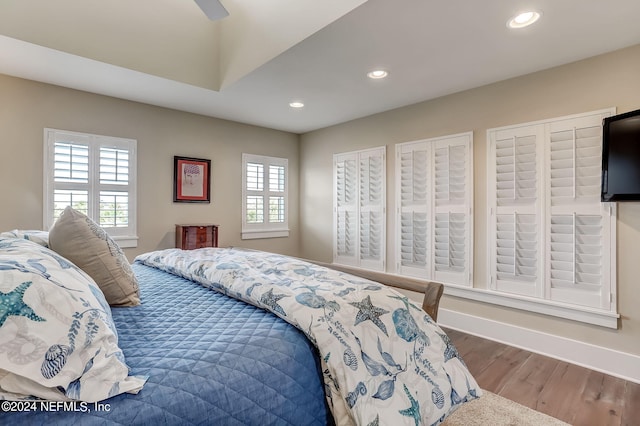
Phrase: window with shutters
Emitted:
{"points": [[359, 236], [518, 164], [551, 237], [264, 197], [434, 197], [95, 175], [580, 242]]}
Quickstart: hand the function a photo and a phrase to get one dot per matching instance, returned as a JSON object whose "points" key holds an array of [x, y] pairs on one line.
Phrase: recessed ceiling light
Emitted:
{"points": [[377, 74], [296, 104], [523, 19]]}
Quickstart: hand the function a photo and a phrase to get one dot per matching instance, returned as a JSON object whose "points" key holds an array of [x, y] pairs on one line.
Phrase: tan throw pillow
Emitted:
{"points": [[84, 243]]}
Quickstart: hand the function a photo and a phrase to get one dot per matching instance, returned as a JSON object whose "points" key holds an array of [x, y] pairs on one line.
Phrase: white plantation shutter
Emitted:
{"points": [[264, 197], [433, 205], [114, 192], [515, 202], [372, 206], [579, 239], [95, 175], [452, 210], [516, 251], [552, 238], [575, 161], [578, 260], [70, 176], [359, 208], [413, 251], [346, 211]]}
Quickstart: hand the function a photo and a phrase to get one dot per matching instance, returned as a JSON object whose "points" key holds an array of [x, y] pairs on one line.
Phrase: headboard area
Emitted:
{"points": [[432, 291]]}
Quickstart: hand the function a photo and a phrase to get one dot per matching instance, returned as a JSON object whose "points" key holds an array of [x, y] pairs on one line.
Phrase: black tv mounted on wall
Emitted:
{"points": [[621, 157]]}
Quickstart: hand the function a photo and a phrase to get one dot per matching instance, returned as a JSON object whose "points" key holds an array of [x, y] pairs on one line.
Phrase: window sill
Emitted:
{"points": [[254, 235], [546, 307], [126, 241]]}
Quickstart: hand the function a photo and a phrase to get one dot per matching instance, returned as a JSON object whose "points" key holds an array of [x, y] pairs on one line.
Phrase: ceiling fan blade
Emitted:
{"points": [[213, 9]]}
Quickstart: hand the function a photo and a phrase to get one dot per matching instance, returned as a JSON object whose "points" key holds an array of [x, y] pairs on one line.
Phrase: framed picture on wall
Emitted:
{"points": [[191, 180]]}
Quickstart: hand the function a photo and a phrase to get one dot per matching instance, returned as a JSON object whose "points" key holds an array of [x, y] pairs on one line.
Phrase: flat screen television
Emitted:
{"points": [[621, 157]]}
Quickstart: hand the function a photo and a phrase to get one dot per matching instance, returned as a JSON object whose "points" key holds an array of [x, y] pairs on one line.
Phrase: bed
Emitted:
{"points": [[233, 336], [209, 359]]}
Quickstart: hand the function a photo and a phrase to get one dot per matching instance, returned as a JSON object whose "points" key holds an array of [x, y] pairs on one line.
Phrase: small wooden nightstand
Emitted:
{"points": [[189, 237]]}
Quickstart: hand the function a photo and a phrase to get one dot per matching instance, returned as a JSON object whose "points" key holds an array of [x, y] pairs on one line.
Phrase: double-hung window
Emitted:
{"points": [[95, 175], [264, 197]]}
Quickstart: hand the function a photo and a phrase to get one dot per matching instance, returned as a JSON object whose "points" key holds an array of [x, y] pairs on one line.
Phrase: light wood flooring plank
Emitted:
{"points": [[562, 394], [603, 398], [496, 375], [478, 352], [525, 386], [631, 411], [574, 394]]}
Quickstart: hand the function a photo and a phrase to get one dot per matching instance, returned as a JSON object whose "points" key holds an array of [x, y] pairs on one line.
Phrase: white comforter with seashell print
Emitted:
{"points": [[384, 360]]}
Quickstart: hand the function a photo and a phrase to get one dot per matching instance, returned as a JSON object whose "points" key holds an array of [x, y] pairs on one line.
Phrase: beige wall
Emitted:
{"points": [[596, 83], [27, 107]]}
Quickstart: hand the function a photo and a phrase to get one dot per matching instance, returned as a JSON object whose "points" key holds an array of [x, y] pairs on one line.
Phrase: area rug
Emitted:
{"points": [[494, 410]]}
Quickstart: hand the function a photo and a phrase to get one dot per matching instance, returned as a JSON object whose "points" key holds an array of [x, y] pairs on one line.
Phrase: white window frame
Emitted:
{"points": [[265, 229], [542, 297], [126, 237], [430, 208]]}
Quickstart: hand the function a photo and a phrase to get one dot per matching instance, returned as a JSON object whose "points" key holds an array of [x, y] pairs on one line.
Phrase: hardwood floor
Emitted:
{"points": [[573, 394]]}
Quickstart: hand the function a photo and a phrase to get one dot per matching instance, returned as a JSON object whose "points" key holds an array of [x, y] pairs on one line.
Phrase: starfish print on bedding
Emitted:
{"points": [[271, 301], [414, 410], [12, 303], [369, 312]]}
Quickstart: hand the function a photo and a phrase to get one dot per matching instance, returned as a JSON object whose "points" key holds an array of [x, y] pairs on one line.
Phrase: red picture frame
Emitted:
{"points": [[191, 180]]}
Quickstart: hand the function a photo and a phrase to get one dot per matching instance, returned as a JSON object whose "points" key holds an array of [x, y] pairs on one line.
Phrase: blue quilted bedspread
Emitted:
{"points": [[384, 360], [210, 359]]}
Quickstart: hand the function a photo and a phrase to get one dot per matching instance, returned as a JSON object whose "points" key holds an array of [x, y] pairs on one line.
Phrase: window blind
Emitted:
{"points": [[433, 207], [516, 159], [95, 175], [579, 226], [264, 197], [359, 208], [552, 238]]}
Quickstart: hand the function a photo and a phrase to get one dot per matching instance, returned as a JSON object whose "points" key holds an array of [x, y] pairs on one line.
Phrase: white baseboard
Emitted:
{"points": [[615, 363]]}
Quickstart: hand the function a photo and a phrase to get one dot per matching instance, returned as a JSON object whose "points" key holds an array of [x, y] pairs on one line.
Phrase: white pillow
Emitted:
{"points": [[57, 338]]}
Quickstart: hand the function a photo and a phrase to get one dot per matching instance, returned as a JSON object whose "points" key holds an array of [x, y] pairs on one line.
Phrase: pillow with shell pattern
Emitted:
{"points": [[57, 338]]}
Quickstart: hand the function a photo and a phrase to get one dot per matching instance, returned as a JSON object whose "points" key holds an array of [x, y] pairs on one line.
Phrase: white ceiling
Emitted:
{"points": [[430, 48]]}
